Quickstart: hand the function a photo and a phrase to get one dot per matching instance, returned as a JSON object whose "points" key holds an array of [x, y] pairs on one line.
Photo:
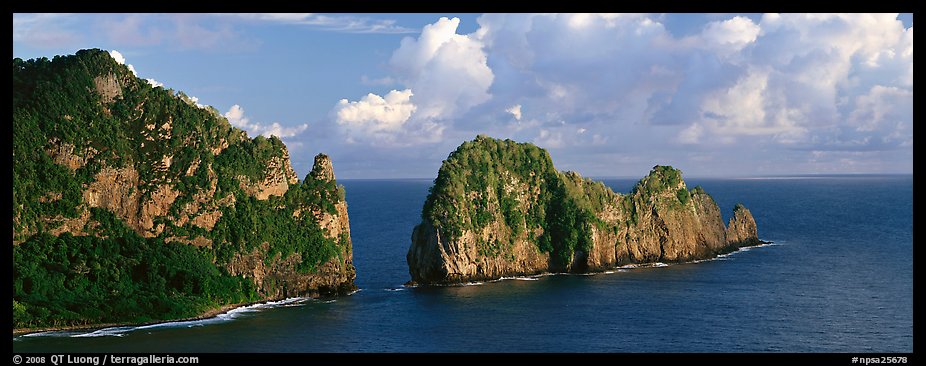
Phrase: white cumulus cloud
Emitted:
{"points": [[154, 83], [737, 31], [515, 111], [116, 55], [373, 113], [236, 117], [780, 85], [448, 73]]}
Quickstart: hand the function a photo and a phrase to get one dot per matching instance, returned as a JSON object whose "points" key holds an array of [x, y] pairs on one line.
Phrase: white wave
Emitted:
{"points": [[223, 317], [293, 305], [395, 289], [286, 301], [717, 258], [105, 332], [518, 278], [44, 334], [51, 333], [616, 270], [643, 265], [472, 284]]}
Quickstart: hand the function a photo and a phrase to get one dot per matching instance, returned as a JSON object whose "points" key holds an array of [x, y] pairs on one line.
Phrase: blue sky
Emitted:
{"points": [[391, 95]]}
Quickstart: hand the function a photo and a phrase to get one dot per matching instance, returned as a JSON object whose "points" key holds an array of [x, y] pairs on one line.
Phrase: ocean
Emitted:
{"points": [[838, 277]]}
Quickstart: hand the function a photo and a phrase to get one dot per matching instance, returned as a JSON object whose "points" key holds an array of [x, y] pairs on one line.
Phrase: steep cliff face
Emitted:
{"points": [[742, 227], [499, 208], [279, 276], [96, 149]]}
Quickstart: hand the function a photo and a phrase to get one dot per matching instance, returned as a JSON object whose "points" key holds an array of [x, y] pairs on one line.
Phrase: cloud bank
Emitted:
{"points": [[784, 85]]}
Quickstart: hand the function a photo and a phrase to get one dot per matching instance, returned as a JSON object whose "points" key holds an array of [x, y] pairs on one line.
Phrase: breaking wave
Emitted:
{"points": [[121, 331]]}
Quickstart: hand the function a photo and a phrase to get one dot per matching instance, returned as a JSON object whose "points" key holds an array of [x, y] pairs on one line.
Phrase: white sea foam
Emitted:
{"points": [[518, 278], [727, 256], [45, 334], [717, 258], [121, 331], [643, 265], [395, 289], [105, 332]]}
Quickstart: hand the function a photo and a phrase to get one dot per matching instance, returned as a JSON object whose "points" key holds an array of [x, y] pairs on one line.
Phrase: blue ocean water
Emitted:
{"points": [[838, 278]]}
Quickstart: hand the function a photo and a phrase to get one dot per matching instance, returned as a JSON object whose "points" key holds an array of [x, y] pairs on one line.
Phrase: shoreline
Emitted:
{"points": [[208, 314], [212, 313], [413, 284]]}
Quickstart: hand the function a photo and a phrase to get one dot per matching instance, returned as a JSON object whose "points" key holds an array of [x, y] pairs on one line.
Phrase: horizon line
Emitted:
{"points": [[765, 176]]}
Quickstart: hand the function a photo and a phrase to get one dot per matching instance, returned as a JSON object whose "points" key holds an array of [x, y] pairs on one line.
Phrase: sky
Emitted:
{"points": [[608, 95]]}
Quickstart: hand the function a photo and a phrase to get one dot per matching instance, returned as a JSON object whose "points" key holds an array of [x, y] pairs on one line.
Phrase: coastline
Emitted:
{"points": [[208, 314], [729, 250], [212, 313]]}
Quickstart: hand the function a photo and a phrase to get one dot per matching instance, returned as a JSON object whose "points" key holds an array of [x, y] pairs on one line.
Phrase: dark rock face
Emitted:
{"points": [[495, 211], [741, 231]]}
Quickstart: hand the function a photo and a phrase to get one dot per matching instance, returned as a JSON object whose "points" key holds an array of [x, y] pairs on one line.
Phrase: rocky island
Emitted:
{"points": [[499, 208], [132, 203]]}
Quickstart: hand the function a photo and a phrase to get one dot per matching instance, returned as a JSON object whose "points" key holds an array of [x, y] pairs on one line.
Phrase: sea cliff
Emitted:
{"points": [[134, 203], [499, 208]]}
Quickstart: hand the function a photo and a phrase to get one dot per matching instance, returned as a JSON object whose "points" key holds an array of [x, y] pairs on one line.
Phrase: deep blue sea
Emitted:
{"points": [[837, 278]]}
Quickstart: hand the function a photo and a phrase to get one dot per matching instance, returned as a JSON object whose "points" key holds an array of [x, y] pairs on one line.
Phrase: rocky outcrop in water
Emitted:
{"points": [[499, 208]]}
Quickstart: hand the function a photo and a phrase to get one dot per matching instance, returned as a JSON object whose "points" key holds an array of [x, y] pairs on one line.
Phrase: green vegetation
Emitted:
{"points": [[74, 280], [660, 178], [568, 226], [660, 186], [486, 181], [246, 158], [472, 182], [683, 196], [488, 176], [101, 116], [251, 222], [57, 101]]}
